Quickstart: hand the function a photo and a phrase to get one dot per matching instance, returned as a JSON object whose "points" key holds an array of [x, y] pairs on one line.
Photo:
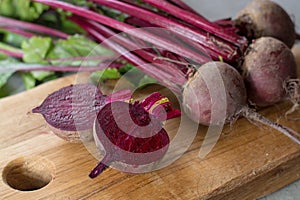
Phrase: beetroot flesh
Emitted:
{"points": [[135, 140]]}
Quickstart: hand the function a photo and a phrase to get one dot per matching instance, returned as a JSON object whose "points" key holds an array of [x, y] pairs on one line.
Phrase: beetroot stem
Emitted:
{"points": [[149, 69], [197, 21], [219, 47], [166, 66], [179, 39], [28, 67], [156, 40], [18, 31], [100, 167], [83, 58], [184, 6], [11, 53], [254, 116], [4, 21]]}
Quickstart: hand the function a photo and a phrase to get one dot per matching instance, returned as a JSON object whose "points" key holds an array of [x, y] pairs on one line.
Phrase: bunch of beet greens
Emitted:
{"points": [[185, 52]]}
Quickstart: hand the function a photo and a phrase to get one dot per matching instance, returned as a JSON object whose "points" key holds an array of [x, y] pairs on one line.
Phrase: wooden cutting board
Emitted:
{"points": [[247, 162]]}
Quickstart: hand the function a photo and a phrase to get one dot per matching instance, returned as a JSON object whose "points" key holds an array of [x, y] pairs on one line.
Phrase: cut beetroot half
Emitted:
{"points": [[133, 133], [75, 107]]}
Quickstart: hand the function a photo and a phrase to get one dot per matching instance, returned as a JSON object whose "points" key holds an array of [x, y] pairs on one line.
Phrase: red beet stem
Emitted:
{"points": [[184, 6], [18, 31], [141, 34], [152, 99], [28, 67], [134, 3], [158, 105], [148, 56], [227, 50], [149, 69], [83, 58], [227, 25], [198, 21], [100, 167], [11, 53], [165, 77], [122, 95], [178, 39], [4, 21]]}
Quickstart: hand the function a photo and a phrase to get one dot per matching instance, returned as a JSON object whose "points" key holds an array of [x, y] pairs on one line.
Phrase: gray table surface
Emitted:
{"points": [[218, 9]]}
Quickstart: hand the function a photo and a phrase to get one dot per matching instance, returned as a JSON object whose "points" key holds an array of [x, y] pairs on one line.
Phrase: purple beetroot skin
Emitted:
{"points": [[72, 108], [264, 18], [268, 65]]}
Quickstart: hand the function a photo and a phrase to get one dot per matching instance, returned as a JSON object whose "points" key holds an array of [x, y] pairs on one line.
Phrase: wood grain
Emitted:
{"points": [[246, 163]]}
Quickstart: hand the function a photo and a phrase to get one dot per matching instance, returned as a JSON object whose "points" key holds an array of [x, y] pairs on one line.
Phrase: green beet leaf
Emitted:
{"points": [[22, 9]]}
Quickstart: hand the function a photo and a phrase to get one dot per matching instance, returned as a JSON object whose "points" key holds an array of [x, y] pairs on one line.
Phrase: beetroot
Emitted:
{"points": [[128, 131], [268, 65], [214, 77], [74, 108], [137, 140], [266, 18], [201, 99]]}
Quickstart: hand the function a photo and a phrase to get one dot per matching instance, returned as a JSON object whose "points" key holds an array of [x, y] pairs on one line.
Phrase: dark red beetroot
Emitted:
{"points": [[137, 140], [266, 18], [201, 99], [74, 108], [268, 65], [209, 78]]}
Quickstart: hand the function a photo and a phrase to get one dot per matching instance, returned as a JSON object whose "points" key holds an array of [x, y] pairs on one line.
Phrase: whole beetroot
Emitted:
{"points": [[218, 78], [216, 104], [266, 18], [268, 65]]}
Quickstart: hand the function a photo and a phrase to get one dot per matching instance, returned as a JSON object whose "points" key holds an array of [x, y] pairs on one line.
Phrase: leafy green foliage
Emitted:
{"points": [[83, 3], [5, 72], [21, 9], [36, 49], [109, 73], [28, 80], [76, 46], [136, 76], [9, 48], [11, 38], [128, 71]]}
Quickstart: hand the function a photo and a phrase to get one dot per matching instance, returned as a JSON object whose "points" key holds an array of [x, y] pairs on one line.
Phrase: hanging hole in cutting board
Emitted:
{"points": [[28, 173]]}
